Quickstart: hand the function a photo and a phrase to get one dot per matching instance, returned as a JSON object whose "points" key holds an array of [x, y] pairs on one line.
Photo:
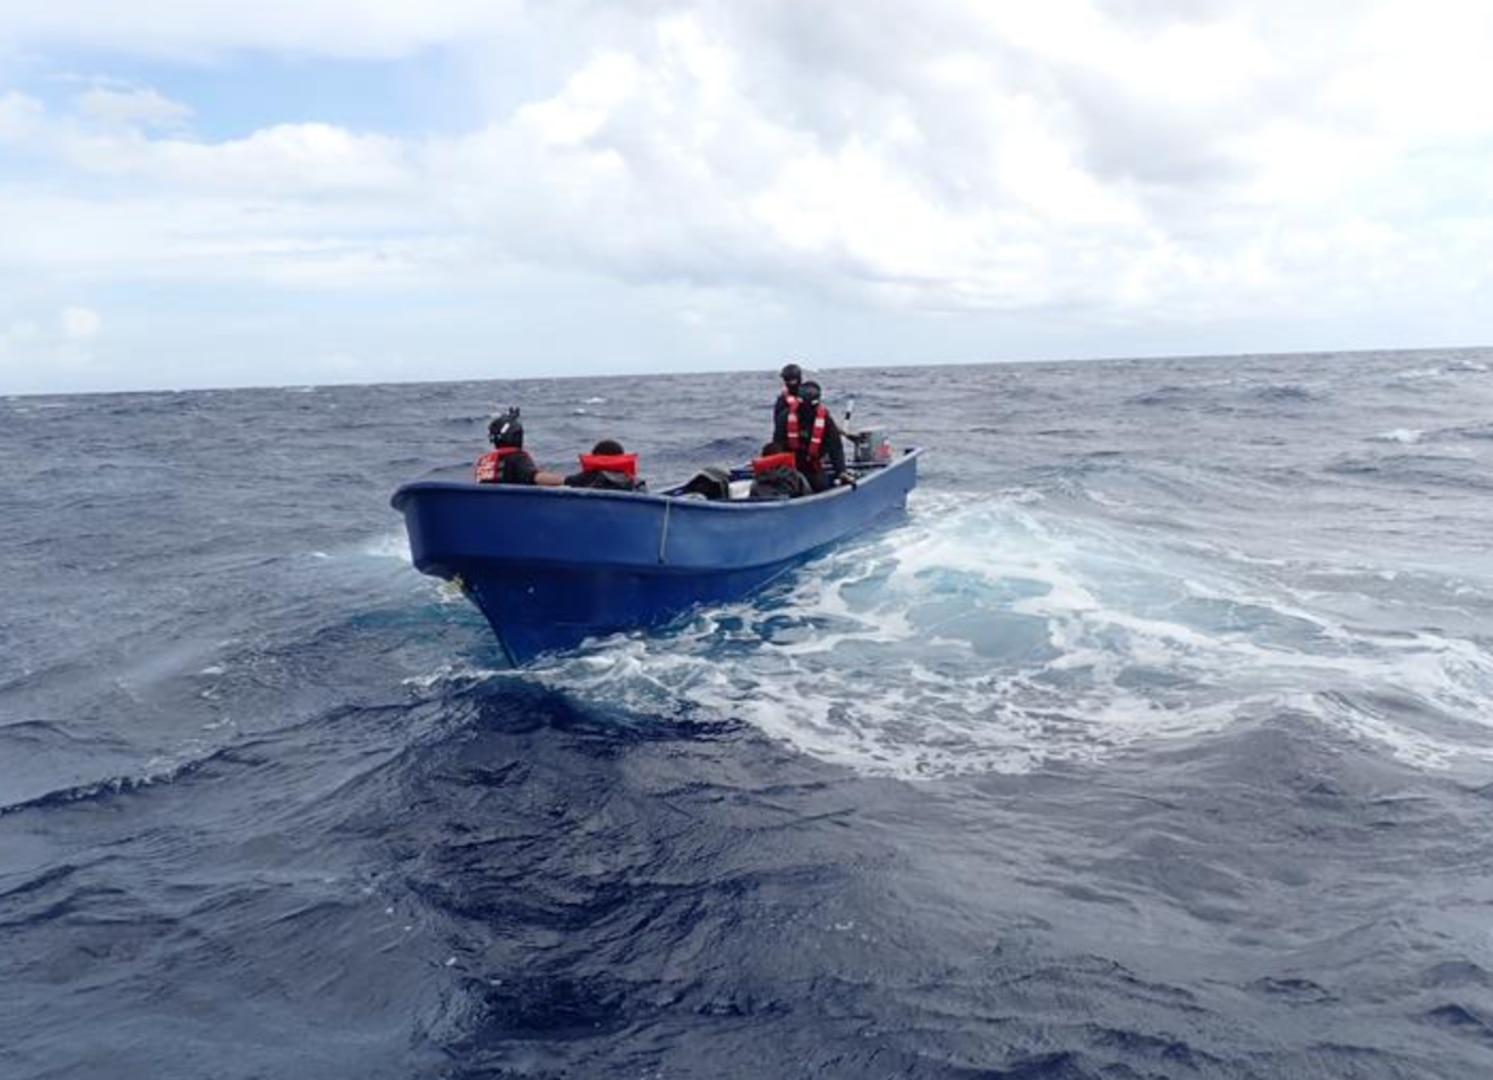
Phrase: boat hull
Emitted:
{"points": [[550, 567]]}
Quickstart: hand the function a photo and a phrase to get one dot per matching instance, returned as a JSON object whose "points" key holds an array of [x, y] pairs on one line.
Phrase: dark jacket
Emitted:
{"points": [[831, 450], [779, 483], [608, 471]]}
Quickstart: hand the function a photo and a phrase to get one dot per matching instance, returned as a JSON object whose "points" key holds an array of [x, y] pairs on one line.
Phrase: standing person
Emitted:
{"points": [[608, 467], [811, 435], [792, 376], [508, 462]]}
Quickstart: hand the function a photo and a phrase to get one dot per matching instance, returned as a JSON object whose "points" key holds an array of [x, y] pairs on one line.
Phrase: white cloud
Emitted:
{"points": [[21, 117], [284, 161], [593, 95], [132, 107], [79, 323], [33, 358], [1115, 161]]}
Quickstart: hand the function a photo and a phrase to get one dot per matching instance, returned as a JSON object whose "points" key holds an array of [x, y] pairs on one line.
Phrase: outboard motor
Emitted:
{"points": [[872, 448]]}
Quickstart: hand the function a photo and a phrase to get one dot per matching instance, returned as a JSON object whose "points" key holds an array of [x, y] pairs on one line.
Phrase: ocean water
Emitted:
{"points": [[1156, 741]]}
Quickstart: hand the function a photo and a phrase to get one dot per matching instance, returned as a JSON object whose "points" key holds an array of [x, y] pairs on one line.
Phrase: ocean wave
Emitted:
{"points": [[1416, 470], [1166, 396], [109, 787], [1283, 394], [1470, 431], [1440, 372]]}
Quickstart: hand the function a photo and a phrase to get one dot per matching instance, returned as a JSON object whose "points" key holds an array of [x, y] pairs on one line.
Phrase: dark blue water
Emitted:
{"points": [[1156, 742]]}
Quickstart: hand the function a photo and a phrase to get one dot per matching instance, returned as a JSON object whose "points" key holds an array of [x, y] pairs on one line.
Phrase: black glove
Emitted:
{"points": [[845, 478]]}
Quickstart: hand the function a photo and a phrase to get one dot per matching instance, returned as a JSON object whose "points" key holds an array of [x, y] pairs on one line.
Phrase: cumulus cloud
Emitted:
{"points": [[1112, 160], [1200, 160]]}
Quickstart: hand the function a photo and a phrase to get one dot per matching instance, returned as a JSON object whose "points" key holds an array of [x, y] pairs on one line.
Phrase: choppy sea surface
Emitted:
{"points": [[1156, 741]]}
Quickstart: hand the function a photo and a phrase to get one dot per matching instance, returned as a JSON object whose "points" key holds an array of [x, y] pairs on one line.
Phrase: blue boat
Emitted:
{"points": [[550, 567]]}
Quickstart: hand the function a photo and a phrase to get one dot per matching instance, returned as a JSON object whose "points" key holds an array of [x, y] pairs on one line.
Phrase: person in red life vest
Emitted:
{"points": [[811, 435], [793, 377], [508, 462], [607, 467], [776, 476]]}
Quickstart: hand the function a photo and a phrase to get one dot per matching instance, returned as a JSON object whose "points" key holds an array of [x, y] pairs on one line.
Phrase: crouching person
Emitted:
{"points": [[775, 475], [609, 468]]}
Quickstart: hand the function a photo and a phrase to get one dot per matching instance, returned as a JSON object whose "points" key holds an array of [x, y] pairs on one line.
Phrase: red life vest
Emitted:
{"points": [[792, 401], [773, 461], [489, 467], [626, 464], [816, 435]]}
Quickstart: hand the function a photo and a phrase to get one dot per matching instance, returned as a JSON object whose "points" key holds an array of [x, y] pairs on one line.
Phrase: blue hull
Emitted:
{"points": [[550, 567]]}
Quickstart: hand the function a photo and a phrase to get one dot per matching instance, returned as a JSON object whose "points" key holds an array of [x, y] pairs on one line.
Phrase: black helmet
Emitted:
{"points": [[791, 373], [505, 430], [809, 393]]}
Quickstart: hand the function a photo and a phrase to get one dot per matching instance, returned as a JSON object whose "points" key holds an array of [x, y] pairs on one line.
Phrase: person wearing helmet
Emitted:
{"points": [[508, 462], [811, 435]]}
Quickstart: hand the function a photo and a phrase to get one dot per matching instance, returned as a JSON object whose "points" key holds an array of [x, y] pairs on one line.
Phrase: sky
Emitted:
{"points": [[198, 193]]}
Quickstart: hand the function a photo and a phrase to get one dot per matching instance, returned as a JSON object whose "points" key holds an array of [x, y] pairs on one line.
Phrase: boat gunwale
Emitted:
{"points": [[647, 498]]}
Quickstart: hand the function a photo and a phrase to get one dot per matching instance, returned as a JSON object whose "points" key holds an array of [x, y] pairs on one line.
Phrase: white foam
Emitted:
{"points": [[1416, 374], [394, 544], [983, 637], [454, 675], [1443, 371], [1400, 435]]}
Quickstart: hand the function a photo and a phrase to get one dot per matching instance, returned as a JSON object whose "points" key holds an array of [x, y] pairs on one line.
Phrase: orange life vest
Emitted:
{"points": [[773, 461], [489, 467], [791, 400], [626, 464], [816, 433]]}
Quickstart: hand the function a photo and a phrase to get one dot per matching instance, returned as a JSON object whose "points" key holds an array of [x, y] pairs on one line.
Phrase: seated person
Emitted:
{"points": [[609, 468], [774, 475], [508, 462]]}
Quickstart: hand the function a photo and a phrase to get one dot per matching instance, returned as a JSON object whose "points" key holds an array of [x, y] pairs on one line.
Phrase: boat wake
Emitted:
{"points": [[990, 636]]}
